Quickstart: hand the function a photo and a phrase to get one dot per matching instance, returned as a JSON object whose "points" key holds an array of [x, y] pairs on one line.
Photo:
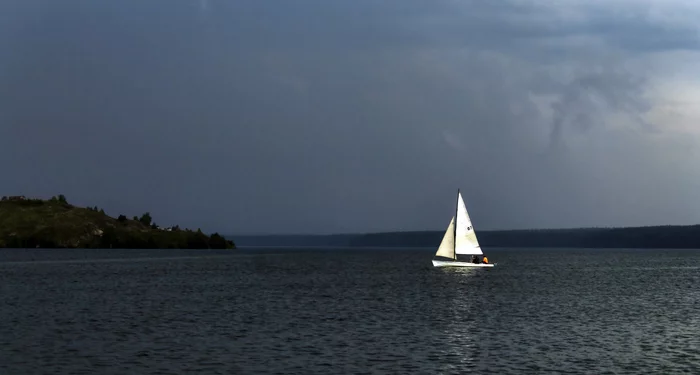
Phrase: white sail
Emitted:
{"points": [[465, 238], [447, 246]]}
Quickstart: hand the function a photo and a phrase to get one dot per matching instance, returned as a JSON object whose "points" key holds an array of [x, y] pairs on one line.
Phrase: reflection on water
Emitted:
{"points": [[305, 312], [458, 333]]}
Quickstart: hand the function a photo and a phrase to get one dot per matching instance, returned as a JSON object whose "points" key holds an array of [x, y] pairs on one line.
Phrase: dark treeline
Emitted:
{"points": [[294, 240], [687, 237]]}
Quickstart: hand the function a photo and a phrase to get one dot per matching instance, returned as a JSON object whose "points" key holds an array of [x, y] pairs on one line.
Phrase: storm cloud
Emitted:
{"points": [[323, 117]]}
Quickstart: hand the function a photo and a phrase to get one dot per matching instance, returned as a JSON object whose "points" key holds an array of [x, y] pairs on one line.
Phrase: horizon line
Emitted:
{"points": [[441, 230]]}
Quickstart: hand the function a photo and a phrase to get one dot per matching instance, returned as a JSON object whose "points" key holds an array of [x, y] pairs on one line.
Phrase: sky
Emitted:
{"points": [[275, 116]]}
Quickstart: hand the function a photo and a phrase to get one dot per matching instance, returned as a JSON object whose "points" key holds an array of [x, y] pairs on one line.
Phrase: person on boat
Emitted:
{"points": [[485, 260], [475, 259]]}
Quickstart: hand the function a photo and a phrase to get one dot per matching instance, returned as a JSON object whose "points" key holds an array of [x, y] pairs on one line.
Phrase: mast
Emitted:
{"points": [[454, 240]]}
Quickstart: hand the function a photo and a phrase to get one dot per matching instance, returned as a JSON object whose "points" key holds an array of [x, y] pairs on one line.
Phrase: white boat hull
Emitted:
{"points": [[447, 263]]}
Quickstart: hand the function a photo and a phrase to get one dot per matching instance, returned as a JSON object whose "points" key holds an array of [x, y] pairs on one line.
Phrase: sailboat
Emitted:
{"points": [[459, 239]]}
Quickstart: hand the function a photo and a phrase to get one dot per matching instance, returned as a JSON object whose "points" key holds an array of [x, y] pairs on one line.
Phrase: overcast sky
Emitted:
{"points": [[344, 116]]}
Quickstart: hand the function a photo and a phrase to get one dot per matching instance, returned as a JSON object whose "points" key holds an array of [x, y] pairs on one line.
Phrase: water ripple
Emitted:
{"points": [[568, 311]]}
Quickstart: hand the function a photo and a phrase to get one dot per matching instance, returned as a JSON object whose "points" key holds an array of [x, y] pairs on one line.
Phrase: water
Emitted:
{"points": [[348, 311]]}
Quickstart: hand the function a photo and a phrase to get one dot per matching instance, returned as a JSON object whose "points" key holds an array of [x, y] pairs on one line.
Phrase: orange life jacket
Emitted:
{"points": [[486, 260]]}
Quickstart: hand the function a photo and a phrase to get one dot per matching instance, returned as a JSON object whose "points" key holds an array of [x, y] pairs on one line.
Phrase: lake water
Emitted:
{"points": [[294, 311]]}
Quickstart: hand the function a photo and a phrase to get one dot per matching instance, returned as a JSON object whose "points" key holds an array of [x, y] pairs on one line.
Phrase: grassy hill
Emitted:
{"points": [[55, 223]]}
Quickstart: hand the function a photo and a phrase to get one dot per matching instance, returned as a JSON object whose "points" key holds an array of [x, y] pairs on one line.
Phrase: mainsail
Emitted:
{"points": [[465, 237], [447, 246]]}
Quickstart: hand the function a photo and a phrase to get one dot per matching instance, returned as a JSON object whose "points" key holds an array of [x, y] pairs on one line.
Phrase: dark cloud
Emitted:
{"points": [[313, 116], [583, 101]]}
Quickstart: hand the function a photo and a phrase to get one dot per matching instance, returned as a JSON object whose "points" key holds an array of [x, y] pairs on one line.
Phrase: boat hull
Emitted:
{"points": [[447, 263]]}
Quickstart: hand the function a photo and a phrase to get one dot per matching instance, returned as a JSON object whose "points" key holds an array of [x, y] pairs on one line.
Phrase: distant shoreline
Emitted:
{"points": [[650, 237]]}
